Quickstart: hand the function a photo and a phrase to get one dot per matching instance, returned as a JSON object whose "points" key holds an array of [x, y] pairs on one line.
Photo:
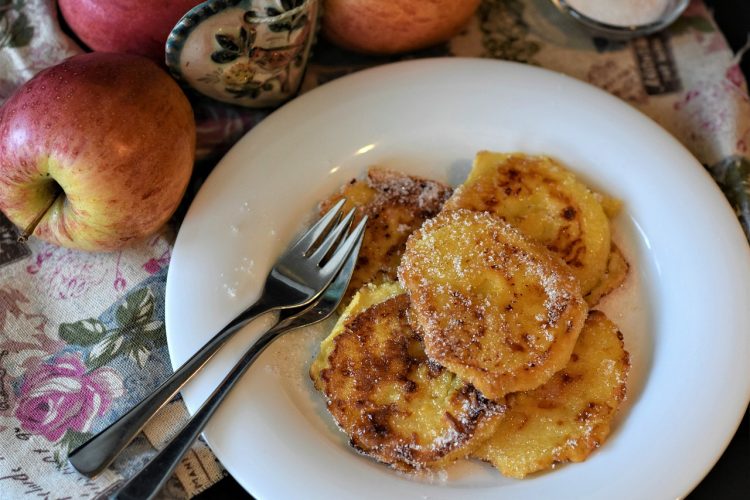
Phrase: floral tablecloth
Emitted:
{"points": [[82, 335]]}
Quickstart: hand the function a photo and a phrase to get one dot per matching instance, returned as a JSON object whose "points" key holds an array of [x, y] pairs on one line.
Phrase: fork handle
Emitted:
{"points": [[149, 481], [97, 453]]}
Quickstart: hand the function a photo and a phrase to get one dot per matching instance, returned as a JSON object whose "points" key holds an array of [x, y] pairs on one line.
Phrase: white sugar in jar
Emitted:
{"points": [[622, 19], [622, 12]]}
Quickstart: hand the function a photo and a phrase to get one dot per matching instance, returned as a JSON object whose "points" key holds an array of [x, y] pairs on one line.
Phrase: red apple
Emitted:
{"points": [[393, 26], [131, 26], [102, 145]]}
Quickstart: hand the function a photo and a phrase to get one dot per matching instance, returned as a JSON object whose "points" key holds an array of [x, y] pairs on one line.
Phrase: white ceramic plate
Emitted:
{"points": [[684, 312]]}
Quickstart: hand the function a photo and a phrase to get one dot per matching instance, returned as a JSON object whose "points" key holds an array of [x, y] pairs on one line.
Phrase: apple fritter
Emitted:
{"points": [[366, 297], [394, 404], [546, 202], [499, 310], [568, 417], [396, 204], [614, 276]]}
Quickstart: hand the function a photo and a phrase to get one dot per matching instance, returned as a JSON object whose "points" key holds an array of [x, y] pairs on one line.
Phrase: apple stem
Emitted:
{"points": [[34, 223]]}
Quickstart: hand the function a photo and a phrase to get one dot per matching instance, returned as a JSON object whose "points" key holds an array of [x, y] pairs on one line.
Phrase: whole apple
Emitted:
{"points": [[101, 146], [131, 26], [393, 26]]}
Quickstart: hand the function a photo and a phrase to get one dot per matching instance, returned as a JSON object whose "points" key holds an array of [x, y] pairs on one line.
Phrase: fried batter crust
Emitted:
{"points": [[546, 202], [615, 275], [396, 204], [499, 310], [394, 404], [570, 416]]}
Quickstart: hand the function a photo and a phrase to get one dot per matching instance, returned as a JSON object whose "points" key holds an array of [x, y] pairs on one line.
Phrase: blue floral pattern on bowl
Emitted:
{"points": [[247, 52]]}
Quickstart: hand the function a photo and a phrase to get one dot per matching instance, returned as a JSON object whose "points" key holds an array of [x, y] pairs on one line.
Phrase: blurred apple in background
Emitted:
{"points": [[101, 145], [131, 26], [393, 26]]}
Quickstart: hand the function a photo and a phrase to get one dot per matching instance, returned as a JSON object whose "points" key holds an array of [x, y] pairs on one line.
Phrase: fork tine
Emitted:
{"points": [[333, 236], [336, 289], [345, 248], [328, 301], [320, 228]]}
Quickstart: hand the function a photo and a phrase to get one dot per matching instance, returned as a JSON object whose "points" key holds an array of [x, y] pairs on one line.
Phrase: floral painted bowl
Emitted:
{"points": [[247, 52]]}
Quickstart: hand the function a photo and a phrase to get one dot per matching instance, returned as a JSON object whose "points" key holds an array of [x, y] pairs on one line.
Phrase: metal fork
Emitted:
{"points": [[149, 481], [297, 278]]}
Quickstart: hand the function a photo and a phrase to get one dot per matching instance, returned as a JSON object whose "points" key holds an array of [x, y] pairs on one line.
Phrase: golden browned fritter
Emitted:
{"points": [[394, 404], [396, 204], [499, 310], [546, 202], [614, 277], [568, 417]]}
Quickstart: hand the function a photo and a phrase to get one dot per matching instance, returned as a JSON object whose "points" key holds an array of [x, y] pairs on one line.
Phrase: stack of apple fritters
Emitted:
{"points": [[470, 333]]}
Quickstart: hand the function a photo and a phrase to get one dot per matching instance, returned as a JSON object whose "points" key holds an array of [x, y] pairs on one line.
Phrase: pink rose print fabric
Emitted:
{"points": [[59, 396]]}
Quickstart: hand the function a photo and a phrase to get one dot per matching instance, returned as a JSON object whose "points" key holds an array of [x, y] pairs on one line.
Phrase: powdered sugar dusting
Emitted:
{"points": [[394, 187], [489, 301]]}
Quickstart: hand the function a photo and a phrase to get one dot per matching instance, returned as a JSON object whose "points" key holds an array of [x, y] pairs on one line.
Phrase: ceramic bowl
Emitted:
{"points": [[596, 27], [247, 52]]}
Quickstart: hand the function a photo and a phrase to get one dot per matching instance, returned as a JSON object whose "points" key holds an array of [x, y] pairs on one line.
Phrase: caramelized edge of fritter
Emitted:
{"points": [[392, 188], [465, 436], [416, 197], [588, 443], [520, 164], [569, 303], [612, 279]]}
